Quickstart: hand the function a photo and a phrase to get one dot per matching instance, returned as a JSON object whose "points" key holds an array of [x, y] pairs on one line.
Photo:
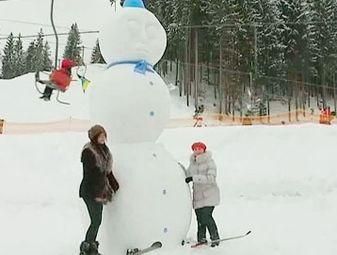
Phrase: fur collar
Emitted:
{"points": [[102, 155], [204, 157]]}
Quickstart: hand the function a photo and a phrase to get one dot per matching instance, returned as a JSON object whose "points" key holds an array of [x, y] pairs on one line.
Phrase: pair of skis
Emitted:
{"points": [[214, 242], [158, 245]]}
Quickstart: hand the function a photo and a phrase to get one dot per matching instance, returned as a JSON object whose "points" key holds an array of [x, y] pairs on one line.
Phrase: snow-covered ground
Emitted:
{"points": [[21, 93], [278, 182]]}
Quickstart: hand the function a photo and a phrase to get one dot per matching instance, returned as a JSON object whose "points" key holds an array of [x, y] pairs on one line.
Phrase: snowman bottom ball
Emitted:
{"points": [[153, 203]]}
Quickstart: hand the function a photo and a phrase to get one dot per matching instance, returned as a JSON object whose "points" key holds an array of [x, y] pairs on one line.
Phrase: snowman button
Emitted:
{"points": [[151, 83]]}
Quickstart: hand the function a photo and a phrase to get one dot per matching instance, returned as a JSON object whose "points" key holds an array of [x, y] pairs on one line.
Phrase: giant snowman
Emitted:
{"points": [[132, 102]]}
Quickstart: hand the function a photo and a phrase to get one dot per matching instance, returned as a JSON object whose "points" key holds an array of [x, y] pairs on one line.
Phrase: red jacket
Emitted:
{"points": [[61, 78]]}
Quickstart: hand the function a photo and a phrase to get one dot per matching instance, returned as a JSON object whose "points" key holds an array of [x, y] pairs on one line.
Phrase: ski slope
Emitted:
{"points": [[20, 102], [278, 182]]}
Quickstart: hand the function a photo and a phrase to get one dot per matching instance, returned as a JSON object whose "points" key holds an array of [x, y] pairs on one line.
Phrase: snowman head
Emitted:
{"points": [[133, 34]]}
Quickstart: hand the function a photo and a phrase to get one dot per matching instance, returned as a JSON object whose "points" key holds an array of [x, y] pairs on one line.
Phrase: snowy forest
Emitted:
{"points": [[16, 61], [267, 50], [278, 48]]}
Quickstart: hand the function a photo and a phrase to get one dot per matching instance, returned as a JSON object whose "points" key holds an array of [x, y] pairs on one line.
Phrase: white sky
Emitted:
{"points": [[89, 15]]}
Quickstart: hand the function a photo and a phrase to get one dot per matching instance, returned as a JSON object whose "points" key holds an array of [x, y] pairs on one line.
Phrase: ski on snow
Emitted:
{"points": [[195, 245], [136, 251]]}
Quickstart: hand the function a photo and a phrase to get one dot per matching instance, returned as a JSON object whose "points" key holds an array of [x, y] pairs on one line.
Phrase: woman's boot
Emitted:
{"points": [[85, 248]]}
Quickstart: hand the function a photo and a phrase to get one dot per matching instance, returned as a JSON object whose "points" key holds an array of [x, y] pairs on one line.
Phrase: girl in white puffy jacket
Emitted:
{"points": [[206, 195]]}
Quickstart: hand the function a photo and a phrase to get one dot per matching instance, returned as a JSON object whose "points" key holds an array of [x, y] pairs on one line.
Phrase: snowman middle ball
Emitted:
{"points": [[134, 107]]}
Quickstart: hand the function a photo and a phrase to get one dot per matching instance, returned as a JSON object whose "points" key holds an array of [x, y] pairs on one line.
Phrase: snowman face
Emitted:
{"points": [[133, 34]]}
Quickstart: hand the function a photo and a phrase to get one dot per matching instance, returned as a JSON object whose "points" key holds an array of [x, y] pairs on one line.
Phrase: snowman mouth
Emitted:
{"points": [[142, 51]]}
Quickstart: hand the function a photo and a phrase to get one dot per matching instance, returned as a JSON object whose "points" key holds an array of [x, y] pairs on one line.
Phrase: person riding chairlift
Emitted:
{"points": [[60, 78]]}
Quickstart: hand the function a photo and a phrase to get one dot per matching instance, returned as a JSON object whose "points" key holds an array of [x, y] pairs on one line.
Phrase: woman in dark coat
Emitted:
{"points": [[98, 184]]}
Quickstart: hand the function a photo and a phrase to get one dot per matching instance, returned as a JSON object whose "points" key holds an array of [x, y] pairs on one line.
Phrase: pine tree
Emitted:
{"points": [[30, 58], [39, 57], [96, 56], [269, 46], [19, 57], [8, 61], [295, 35], [324, 34], [73, 48], [47, 63], [323, 47]]}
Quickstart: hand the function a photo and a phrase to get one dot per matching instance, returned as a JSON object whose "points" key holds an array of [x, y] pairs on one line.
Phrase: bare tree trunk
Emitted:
{"points": [[216, 81], [180, 69], [229, 104], [233, 108], [241, 98], [187, 69], [268, 109], [303, 97], [334, 91], [323, 86], [177, 71], [196, 71], [289, 101], [220, 80], [296, 98], [190, 35], [226, 96]]}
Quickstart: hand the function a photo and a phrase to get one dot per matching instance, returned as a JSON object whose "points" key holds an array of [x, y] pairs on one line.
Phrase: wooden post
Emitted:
{"points": [[2, 126]]}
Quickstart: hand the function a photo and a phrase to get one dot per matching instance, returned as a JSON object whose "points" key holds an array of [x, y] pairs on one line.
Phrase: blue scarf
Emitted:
{"points": [[141, 66]]}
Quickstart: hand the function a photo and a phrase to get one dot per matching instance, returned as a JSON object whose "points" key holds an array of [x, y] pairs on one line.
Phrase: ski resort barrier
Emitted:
{"points": [[293, 117], [61, 126], [210, 120]]}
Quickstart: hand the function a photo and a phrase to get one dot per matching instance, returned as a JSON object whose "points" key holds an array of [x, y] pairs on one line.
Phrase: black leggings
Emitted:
{"points": [[95, 210], [205, 220], [47, 92]]}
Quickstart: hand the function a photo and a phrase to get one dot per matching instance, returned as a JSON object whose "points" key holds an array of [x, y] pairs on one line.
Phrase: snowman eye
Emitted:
{"points": [[152, 31], [132, 25]]}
